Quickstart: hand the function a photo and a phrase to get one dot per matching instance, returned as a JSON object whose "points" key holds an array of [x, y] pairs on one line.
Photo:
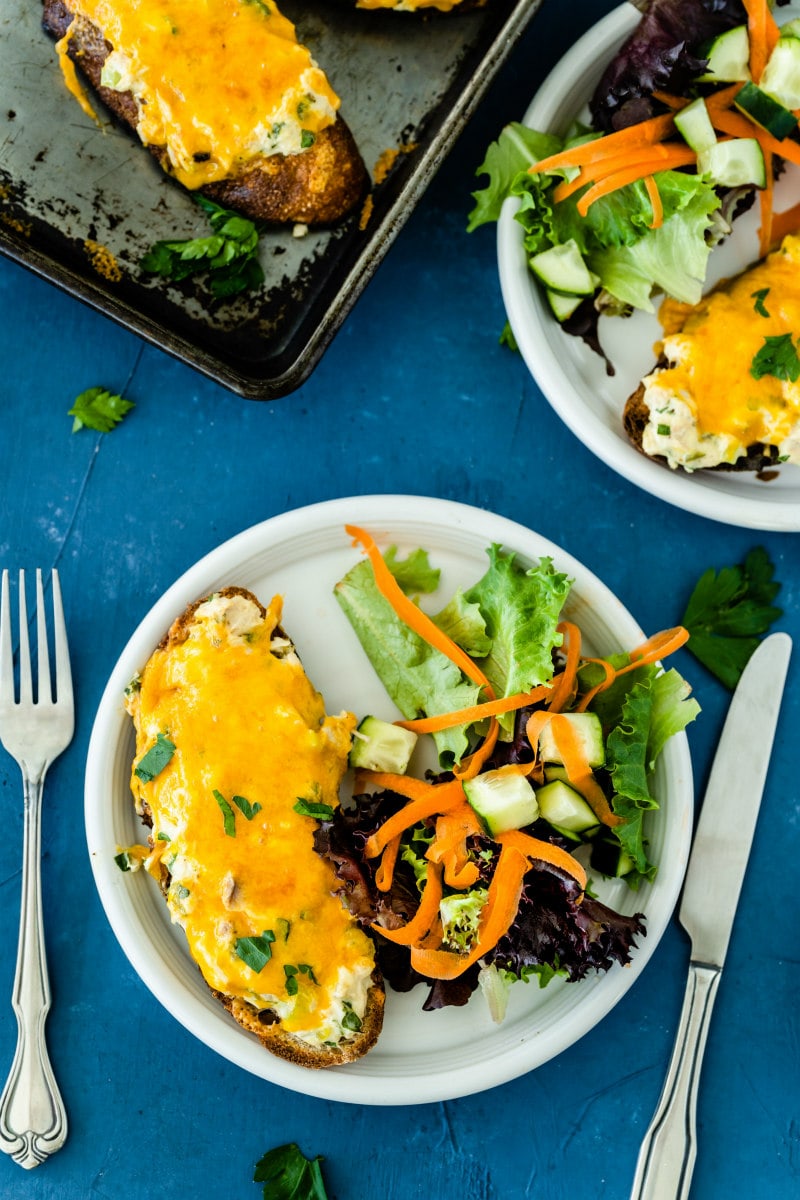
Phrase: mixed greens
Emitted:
{"points": [[450, 846], [692, 119]]}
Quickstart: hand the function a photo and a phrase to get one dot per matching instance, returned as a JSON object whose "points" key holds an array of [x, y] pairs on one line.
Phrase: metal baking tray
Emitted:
{"points": [[80, 204]]}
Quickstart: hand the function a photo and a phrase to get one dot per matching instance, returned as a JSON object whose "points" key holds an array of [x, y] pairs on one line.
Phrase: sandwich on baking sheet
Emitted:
{"points": [[236, 761], [224, 96], [726, 390]]}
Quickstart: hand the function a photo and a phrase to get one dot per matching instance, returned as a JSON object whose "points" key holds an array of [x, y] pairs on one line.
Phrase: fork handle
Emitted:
{"points": [[33, 1122], [669, 1149]]}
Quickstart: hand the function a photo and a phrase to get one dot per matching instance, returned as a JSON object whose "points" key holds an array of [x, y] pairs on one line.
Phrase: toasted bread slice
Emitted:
{"points": [[725, 391], [240, 734], [636, 416], [316, 179]]}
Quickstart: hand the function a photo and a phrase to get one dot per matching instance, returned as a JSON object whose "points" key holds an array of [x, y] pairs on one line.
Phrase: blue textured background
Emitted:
{"points": [[415, 395]]}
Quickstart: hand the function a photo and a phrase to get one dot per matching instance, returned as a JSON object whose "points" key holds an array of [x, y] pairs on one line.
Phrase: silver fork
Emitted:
{"points": [[33, 1123]]}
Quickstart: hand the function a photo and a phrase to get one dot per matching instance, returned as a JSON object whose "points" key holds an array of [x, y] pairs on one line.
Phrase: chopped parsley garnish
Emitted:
{"points": [[246, 808], [291, 972], [728, 613], [351, 1020], [123, 860], [163, 837], [98, 409], [307, 139], [255, 951], [778, 358], [228, 815], [759, 297], [313, 808], [288, 1175], [283, 927], [229, 256], [664, 430], [153, 762]]}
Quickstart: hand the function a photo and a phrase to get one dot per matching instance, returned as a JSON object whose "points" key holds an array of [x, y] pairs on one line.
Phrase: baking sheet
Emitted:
{"points": [[81, 203]]}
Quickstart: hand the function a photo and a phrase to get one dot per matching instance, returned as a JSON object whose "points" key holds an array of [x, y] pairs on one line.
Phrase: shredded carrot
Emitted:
{"points": [[598, 170], [723, 98], [468, 768], [679, 156], [676, 103], [656, 647], [634, 137], [738, 125], [499, 911], [385, 872], [449, 846], [762, 32], [655, 199], [539, 851], [438, 798], [609, 677], [785, 222], [425, 915], [413, 616], [565, 683], [765, 203], [579, 773], [476, 712]]}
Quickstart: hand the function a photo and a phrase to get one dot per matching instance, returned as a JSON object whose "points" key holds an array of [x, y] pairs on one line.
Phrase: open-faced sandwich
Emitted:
{"points": [[726, 391], [224, 96], [236, 762]]}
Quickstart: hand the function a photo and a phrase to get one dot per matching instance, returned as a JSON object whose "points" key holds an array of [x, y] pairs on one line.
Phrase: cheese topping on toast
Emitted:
{"points": [[219, 83], [732, 378], [250, 739]]}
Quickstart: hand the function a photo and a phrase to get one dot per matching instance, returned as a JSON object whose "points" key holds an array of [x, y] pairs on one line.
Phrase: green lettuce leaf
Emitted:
{"points": [[522, 609], [419, 679], [515, 150], [464, 623], [414, 573]]}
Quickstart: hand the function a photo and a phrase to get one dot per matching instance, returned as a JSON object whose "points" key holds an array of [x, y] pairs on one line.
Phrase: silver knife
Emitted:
{"points": [[710, 895]]}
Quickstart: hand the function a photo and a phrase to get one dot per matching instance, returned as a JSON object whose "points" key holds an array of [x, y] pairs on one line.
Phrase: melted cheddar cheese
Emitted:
{"points": [[250, 733], [219, 83], [707, 406]]}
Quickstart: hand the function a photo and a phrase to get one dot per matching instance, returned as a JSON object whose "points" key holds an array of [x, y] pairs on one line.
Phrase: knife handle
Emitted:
{"points": [[668, 1151]]}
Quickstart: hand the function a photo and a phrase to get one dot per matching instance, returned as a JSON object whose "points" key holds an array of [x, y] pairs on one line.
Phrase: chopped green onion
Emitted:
{"points": [[255, 951]]}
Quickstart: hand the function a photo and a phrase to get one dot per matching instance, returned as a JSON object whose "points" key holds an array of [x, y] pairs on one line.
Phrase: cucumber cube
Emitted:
{"points": [[589, 731], [380, 746], [502, 799]]}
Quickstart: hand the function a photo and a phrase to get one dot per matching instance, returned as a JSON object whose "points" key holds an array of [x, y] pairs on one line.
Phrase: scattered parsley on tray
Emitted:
{"points": [[288, 1175], [98, 409], [728, 613], [229, 256]]}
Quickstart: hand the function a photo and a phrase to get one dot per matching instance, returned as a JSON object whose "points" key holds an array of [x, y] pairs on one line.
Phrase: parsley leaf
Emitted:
{"points": [[229, 256], [313, 808], [288, 1175], [247, 809], [98, 409], [777, 357], [759, 297], [255, 951], [728, 613], [153, 762], [228, 815]]}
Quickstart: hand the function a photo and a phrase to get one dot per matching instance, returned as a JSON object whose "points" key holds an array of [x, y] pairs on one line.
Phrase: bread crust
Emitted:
{"points": [[636, 415], [264, 1024], [318, 186]]}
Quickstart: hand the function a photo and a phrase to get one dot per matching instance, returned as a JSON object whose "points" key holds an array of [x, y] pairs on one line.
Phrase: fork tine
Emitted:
{"points": [[43, 686], [63, 669], [25, 683], [6, 650]]}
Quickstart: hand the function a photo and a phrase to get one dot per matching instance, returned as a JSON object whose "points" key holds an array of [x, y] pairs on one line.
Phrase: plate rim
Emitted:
{"points": [[227, 1038], [543, 361]]}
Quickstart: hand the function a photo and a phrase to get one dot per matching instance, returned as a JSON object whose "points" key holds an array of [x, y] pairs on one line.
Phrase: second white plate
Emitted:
{"points": [[420, 1056], [573, 377]]}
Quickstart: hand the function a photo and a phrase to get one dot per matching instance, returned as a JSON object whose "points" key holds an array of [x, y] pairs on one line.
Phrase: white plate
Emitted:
{"points": [[573, 377], [420, 1056]]}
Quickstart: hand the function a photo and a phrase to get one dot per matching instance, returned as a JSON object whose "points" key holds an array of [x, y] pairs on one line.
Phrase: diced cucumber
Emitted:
{"points": [[733, 163], [728, 57], [765, 111], [502, 799], [589, 732], [566, 809], [562, 306], [694, 125], [781, 76], [610, 859], [380, 746], [563, 269], [556, 771]]}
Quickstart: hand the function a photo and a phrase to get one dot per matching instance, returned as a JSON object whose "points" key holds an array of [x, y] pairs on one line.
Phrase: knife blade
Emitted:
{"points": [[709, 901]]}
